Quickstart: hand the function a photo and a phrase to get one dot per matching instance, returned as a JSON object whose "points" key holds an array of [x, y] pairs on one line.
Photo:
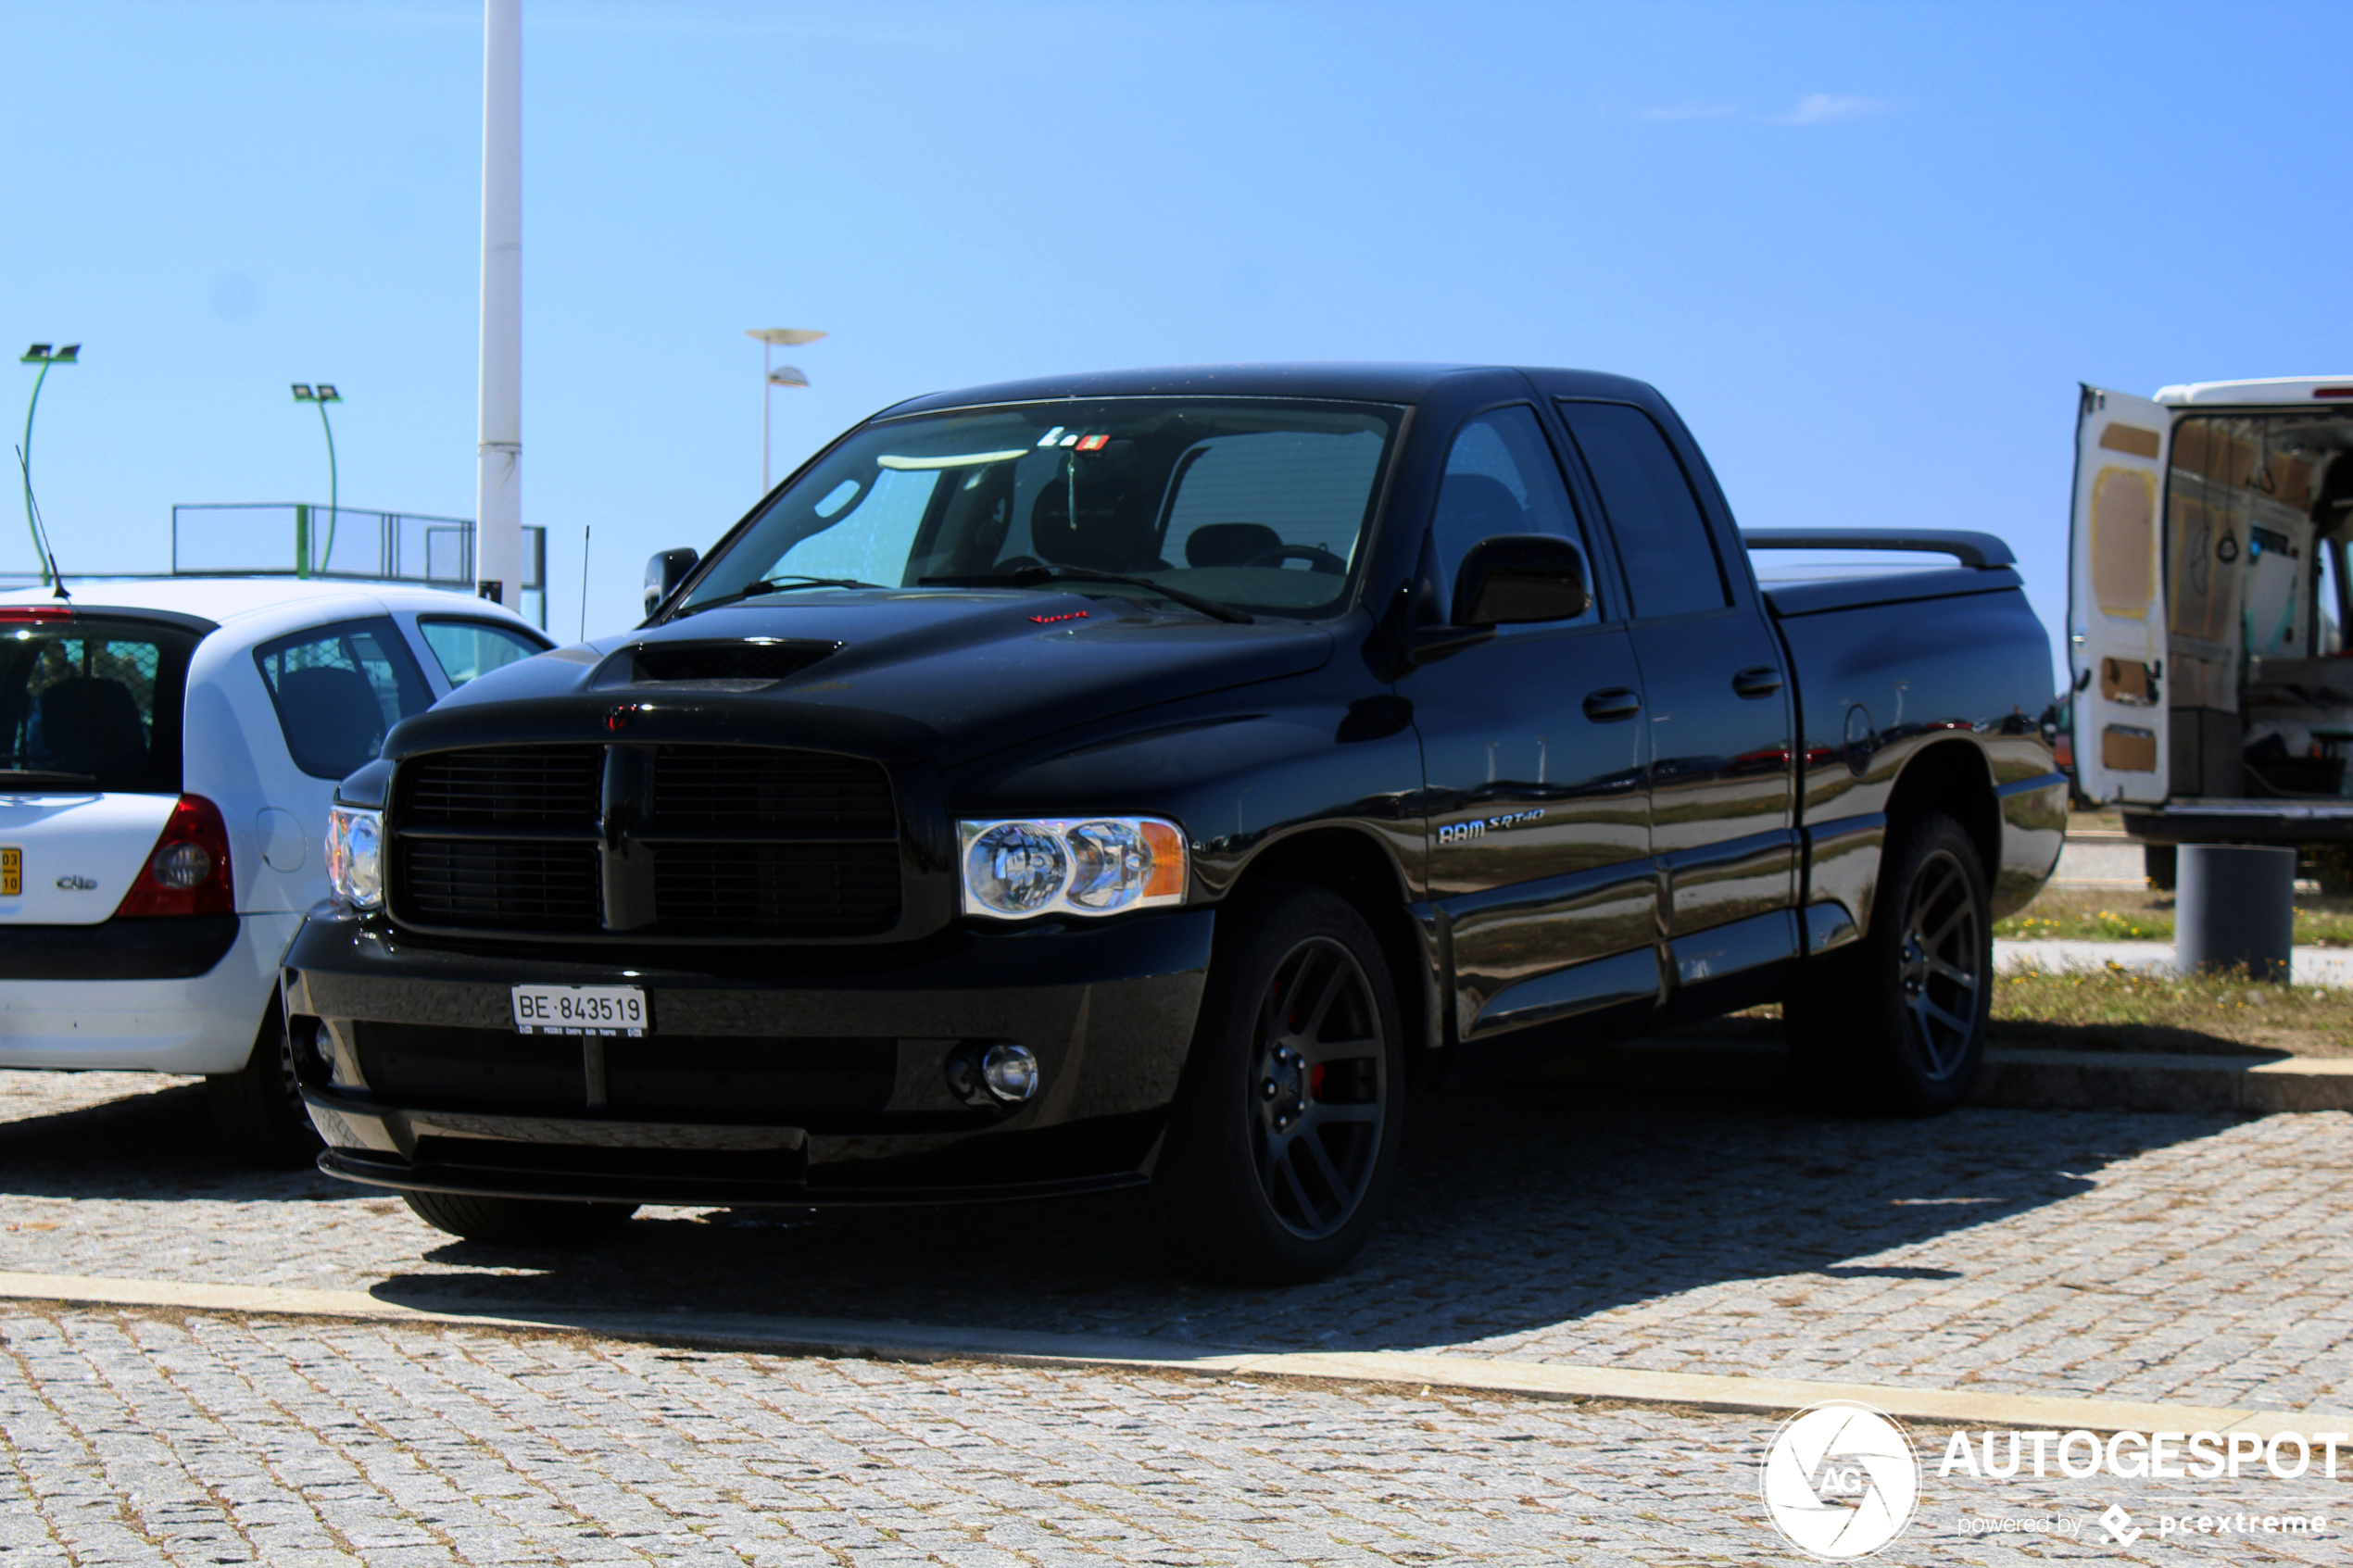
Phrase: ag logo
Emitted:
{"points": [[1840, 1480]]}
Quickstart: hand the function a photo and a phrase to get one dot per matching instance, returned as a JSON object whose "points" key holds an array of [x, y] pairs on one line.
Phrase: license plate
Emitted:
{"points": [[11, 873], [581, 1010]]}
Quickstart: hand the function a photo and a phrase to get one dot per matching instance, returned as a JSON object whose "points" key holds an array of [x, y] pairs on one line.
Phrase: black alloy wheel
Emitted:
{"points": [[1893, 1023], [1319, 1082], [1283, 1135], [1942, 966]]}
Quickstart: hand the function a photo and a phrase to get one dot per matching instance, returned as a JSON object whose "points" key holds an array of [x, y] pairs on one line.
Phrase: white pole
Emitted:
{"points": [[498, 449]]}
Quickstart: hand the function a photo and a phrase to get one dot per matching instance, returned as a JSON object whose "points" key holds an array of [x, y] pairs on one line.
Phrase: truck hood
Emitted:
{"points": [[901, 674]]}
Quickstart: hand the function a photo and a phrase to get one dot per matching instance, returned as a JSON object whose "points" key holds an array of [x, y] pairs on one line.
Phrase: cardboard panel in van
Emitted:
{"points": [[2127, 749], [2123, 542]]}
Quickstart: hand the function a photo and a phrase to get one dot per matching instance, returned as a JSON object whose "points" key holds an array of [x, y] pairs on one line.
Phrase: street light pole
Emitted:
{"points": [[324, 394], [773, 375], [39, 353]]}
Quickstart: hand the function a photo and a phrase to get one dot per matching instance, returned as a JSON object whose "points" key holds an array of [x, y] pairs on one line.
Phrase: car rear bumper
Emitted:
{"points": [[768, 1078], [73, 1019]]}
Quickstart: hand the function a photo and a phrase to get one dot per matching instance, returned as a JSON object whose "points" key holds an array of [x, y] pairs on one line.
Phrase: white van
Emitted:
{"points": [[2207, 612]]}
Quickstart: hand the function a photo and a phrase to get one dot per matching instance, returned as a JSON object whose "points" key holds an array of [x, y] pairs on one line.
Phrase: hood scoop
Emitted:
{"points": [[734, 661]]}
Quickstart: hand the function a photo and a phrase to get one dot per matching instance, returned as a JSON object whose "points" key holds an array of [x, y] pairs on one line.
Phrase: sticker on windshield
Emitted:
{"points": [[1093, 443]]}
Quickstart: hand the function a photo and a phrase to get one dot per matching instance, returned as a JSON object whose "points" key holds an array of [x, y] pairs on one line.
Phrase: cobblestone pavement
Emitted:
{"points": [[147, 1439], [2198, 1259]]}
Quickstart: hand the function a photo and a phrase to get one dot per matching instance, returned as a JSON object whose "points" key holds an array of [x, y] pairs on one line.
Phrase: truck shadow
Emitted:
{"points": [[1523, 1206]]}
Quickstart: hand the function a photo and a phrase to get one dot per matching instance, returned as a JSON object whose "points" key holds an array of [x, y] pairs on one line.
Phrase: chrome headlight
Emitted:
{"points": [[355, 856], [1070, 865]]}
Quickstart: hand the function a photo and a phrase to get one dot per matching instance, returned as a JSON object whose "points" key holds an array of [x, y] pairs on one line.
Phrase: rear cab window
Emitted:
{"points": [[90, 700], [339, 689], [466, 649]]}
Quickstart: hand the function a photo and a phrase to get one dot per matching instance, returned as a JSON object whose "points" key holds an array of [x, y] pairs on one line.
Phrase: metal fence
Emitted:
{"points": [[298, 539]]}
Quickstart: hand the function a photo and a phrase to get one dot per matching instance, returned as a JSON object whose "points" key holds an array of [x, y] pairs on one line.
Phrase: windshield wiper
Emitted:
{"points": [[42, 778], [1038, 576], [775, 586]]}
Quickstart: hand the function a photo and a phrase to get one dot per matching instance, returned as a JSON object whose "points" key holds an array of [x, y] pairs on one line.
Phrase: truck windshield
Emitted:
{"points": [[1261, 504]]}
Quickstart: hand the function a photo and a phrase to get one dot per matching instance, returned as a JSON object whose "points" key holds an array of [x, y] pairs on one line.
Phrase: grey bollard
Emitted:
{"points": [[2235, 904]]}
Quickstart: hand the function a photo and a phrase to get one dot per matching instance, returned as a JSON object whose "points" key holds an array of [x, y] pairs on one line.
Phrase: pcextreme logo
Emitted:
{"points": [[1840, 1480]]}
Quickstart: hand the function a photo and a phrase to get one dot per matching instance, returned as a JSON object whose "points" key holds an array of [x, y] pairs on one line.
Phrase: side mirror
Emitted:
{"points": [[1517, 577], [665, 573]]}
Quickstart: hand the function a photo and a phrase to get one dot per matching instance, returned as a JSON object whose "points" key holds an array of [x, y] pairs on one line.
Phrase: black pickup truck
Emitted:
{"points": [[1149, 779]]}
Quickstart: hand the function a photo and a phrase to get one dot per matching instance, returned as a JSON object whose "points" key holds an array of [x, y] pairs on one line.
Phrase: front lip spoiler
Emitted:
{"points": [[732, 1191]]}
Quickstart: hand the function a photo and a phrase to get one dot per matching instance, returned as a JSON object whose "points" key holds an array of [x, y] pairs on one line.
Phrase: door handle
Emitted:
{"points": [[1763, 680], [1613, 702]]}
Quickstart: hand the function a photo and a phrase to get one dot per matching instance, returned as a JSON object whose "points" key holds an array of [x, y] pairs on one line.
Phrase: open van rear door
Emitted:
{"points": [[2116, 622]]}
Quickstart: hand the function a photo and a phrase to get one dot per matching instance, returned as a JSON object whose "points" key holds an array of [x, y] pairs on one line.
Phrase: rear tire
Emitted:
{"points": [[1284, 1134], [522, 1222], [1896, 1023], [257, 1110]]}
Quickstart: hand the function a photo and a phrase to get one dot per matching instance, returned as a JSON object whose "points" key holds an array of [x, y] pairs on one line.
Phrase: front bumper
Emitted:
{"points": [[769, 1076]]}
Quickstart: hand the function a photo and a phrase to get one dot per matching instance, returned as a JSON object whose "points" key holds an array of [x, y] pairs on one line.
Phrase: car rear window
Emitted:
{"points": [[339, 689], [91, 702]]}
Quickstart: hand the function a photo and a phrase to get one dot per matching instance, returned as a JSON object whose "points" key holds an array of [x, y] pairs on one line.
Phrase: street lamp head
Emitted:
{"points": [[66, 354], [786, 375], [783, 337], [35, 355], [327, 394], [302, 392]]}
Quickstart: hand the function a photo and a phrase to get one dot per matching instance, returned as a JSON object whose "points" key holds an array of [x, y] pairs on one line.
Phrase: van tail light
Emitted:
{"points": [[187, 871]]}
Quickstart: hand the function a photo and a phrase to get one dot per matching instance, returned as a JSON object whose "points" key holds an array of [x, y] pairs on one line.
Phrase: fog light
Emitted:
{"points": [[1010, 1072]]}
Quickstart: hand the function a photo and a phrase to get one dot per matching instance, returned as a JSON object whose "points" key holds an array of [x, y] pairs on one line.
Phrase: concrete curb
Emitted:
{"points": [[2014, 1079], [909, 1342]]}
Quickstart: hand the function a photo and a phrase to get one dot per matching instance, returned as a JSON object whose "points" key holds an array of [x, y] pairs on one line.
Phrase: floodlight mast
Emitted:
{"points": [[324, 394], [498, 446], [44, 356], [774, 375]]}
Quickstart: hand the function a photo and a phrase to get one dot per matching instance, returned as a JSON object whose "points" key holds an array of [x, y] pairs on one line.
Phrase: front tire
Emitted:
{"points": [[1284, 1134], [257, 1110], [519, 1222], [1896, 1025]]}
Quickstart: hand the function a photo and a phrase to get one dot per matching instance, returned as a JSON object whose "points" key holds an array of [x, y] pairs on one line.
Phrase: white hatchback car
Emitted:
{"points": [[168, 751]]}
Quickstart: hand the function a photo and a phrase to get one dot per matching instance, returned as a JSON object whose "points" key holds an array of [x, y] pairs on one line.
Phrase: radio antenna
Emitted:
{"points": [[41, 532], [585, 531]]}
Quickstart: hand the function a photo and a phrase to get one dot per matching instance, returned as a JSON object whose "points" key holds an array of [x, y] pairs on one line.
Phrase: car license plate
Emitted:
{"points": [[11, 873], [581, 1010]]}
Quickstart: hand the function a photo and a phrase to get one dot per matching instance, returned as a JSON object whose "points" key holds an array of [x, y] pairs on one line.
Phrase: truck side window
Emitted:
{"points": [[338, 689], [1662, 538], [1501, 477]]}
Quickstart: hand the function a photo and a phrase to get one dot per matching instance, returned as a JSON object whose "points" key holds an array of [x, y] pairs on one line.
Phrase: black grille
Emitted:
{"points": [[535, 786], [777, 889], [736, 843], [733, 787], [736, 661], [469, 883]]}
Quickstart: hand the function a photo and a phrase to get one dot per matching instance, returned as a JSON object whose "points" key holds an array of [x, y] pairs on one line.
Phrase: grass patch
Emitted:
{"points": [[2113, 1009], [2116, 1009], [2095, 914]]}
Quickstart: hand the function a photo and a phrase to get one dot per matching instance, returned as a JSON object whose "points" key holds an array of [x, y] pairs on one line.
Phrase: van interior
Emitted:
{"points": [[2259, 510]]}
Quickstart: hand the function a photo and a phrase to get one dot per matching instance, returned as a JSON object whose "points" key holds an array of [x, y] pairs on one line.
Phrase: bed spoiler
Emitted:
{"points": [[1981, 550]]}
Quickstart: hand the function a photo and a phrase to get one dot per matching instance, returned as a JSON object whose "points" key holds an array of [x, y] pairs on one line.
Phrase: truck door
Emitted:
{"points": [[2115, 596], [1722, 790], [1536, 810]]}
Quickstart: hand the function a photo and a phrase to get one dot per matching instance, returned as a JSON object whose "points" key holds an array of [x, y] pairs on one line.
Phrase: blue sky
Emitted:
{"points": [[1868, 250]]}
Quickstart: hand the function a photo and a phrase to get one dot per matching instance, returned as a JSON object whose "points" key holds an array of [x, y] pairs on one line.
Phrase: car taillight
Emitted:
{"points": [[187, 871]]}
